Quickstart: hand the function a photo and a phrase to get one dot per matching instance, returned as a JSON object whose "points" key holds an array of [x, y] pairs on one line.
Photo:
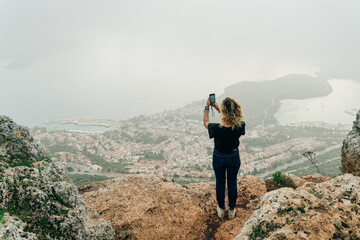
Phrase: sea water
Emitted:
{"points": [[340, 106]]}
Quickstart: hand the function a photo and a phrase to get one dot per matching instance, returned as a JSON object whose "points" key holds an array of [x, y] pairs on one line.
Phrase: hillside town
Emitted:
{"points": [[176, 144]]}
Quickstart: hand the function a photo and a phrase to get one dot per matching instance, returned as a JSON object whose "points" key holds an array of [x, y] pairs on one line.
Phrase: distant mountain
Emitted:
{"points": [[261, 100], [257, 97]]}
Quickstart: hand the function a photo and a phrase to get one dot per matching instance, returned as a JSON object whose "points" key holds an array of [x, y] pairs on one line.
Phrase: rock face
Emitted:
{"points": [[13, 228], [149, 207], [37, 198], [350, 152], [328, 210]]}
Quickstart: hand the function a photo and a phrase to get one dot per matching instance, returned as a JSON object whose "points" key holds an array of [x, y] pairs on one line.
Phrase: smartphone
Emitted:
{"points": [[212, 98]]}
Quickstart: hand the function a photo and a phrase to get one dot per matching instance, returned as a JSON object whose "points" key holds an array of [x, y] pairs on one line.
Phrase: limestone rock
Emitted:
{"points": [[38, 191], [328, 210], [350, 152], [150, 207], [315, 178], [296, 181], [13, 229], [300, 181]]}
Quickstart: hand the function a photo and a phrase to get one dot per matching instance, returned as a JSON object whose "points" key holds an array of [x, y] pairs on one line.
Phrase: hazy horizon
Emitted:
{"points": [[73, 59]]}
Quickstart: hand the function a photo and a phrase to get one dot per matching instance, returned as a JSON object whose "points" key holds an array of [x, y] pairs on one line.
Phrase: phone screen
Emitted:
{"points": [[212, 98]]}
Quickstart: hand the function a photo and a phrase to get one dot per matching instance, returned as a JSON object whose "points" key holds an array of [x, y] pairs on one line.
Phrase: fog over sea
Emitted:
{"points": [[33, 105], [67, 59], [34, 102]]}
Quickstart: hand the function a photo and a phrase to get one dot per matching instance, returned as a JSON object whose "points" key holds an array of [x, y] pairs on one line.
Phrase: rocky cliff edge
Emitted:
{"points": [[37, 198], [350, 152], [328, 210], [150, 207]]}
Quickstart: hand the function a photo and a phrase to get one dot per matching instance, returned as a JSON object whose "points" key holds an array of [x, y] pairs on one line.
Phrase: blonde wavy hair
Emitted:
{"points": [[230, 113]]}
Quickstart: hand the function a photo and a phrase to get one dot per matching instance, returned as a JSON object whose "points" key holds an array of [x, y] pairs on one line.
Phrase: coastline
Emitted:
{"points": [[273, 110], [72, 125], [336, 108], [82, 122]]}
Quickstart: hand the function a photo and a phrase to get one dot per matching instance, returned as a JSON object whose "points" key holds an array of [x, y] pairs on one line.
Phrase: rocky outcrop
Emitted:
{"points": [[13, 228], [328, 210], [150, 207], [350, 152], [294, 182], [37, 198]]}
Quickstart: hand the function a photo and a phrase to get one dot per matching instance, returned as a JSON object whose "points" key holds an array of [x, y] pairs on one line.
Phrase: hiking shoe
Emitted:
{"points": [[232, 213], [221, 212]]}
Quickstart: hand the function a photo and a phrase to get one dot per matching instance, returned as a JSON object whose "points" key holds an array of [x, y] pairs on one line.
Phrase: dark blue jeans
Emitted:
{"points": [[226, 166]]}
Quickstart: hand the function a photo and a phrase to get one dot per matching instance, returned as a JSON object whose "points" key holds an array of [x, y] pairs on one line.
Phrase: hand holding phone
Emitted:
{"points": [[212, 98]]}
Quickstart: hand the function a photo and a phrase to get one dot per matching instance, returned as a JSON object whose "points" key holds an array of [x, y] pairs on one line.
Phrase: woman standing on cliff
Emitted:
{"points": [[226, 158]]}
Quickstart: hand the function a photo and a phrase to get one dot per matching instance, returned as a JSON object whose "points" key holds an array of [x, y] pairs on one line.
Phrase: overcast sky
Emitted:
{"points": [[94, 51]]}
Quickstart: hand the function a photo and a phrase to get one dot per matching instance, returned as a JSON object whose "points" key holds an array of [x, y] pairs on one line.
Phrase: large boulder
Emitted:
{"points": [[328, 210], [150, 207], [350, 152], [37, 198]]}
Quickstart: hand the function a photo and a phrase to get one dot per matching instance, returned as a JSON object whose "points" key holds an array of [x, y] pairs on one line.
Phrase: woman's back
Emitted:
{"points": [[226, 139]]}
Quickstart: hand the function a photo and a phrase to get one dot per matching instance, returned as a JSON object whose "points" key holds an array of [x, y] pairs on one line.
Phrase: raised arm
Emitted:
{"points": [[242, 128], [206, 113], [216, 106]]}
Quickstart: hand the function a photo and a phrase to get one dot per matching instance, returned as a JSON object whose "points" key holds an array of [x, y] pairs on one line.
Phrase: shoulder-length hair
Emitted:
{"points": [[230, 113]]}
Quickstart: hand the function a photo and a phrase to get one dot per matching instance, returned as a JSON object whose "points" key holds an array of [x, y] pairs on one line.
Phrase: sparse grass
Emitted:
{"points": [[43, 228], [258, 233], [20, 209], [23, 162], [345, 225], [281, 212], [337, 227], [316, 194], [64, 211], [2, 211], [25, 185], [23, 208], [301, 210]]}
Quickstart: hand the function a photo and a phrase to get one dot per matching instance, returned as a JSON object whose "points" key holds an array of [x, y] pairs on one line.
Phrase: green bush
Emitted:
{"points": [[279, 177]]}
